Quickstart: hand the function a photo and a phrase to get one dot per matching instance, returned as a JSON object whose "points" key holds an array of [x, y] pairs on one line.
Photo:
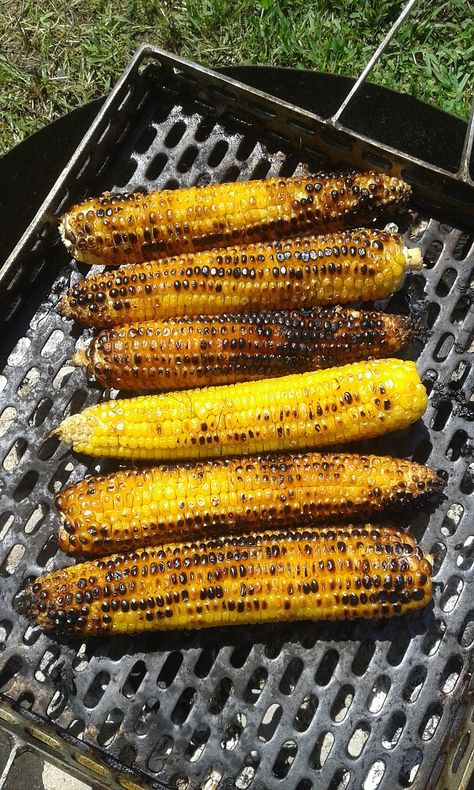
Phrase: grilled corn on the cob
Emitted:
{"points": [[185, 352], [335, 573], [331, 406], [339, 268], [132, 228], [131, 508]]}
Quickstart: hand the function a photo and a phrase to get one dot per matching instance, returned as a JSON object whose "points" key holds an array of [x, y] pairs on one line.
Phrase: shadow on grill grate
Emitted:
{"points": [[318, 705]]}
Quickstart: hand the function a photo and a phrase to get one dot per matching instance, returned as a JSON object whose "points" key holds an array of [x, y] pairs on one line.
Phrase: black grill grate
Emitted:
{"points": [[362, 705]]}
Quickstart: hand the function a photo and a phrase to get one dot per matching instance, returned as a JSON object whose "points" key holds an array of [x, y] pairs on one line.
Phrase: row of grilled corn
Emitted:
{"points": [[329, 573]]}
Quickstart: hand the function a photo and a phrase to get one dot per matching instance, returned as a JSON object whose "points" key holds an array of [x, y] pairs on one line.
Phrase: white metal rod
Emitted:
{"points": [[373, 60], [467, 149]]}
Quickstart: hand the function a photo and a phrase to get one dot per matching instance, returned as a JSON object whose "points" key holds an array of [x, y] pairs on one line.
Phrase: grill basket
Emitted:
{"points": [[354, 705]]}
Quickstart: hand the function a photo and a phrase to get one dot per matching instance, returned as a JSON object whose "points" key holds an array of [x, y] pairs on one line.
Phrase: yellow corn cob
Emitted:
{"points": [[331, 406], [134, 227], [131, 508], [335, 573], [339, 268], [176, 353]]}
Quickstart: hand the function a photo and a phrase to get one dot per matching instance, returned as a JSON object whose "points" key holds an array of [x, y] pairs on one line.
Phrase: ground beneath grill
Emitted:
{"points": [[29, 771]]}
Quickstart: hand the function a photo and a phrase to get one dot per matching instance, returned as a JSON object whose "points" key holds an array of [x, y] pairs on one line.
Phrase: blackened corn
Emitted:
{"points": [[132, 228], [294, 412], [132, 508], [176, 353], [339, 268], [335, 573]]}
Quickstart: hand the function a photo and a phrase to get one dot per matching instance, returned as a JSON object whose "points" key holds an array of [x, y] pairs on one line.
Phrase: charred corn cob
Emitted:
{"points": [[339, 268], [131, 508], [185, 352], [132, 228], [331, 406], [335, 573]]}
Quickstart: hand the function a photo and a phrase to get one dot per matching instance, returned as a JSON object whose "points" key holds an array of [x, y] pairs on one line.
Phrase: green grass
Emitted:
{"points": [[56, 56]]}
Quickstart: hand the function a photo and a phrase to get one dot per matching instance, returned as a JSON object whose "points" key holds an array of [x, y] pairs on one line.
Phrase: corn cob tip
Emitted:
{"points": [[65, 309], [76, 431], [67, 237], [26, 604], [409, 329], [414, 259], [80, 358]]}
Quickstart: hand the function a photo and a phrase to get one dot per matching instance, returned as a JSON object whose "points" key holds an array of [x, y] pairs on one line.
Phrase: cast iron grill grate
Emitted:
{"points": [[362, 705]]}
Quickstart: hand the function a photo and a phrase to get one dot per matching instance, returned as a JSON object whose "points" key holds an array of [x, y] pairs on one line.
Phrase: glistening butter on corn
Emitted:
{"points": [[144, 507], [329, 574], [121, 228], [321, 408], [176, 353], [339, 268]]}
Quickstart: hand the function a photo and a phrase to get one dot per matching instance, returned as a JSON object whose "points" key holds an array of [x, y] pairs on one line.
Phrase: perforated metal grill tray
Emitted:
{"points": [[362, 705]]}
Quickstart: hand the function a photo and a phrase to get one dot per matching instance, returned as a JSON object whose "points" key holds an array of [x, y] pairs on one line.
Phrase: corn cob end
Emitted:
{"points": [[65, 232], [413, 258], [405, 329], [70, 241], [65, 308], [80, 358], [76, 431]]}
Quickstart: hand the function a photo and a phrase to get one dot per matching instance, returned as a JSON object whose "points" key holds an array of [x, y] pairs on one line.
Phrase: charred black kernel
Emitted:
{"points": [[405, 596], [124, 606], [393, 597], [418, 594], [399, 582]]}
